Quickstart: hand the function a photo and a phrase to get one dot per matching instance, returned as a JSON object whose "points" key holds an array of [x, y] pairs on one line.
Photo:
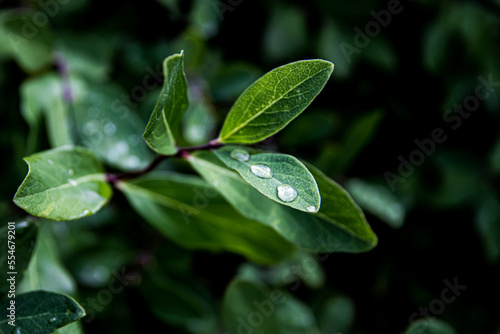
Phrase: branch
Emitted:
{"points": [[181, 153]]}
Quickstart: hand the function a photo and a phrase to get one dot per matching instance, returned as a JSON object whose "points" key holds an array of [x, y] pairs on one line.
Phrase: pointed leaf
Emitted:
{"points": [[65, 183], [339, 226], [288, 182], [274, 100], [41, 312], [191, 213], [171, 105]]}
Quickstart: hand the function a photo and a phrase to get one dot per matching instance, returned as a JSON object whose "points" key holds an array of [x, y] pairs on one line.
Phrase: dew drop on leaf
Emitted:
{"points": [[71, 171], [50, 162], [84, 213], [311, 209], [18, 330], [262, 171], [52, 320], [287, 193], [240, 155], [72, 182]]}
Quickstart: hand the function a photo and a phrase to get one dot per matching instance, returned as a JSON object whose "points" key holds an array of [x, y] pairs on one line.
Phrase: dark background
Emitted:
{"points": [[425, 60]]}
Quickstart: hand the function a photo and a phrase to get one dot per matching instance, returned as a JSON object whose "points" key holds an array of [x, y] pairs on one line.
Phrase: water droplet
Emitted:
{"points": [[71, 172], [52, 320], [85, 212], [109, 129], [50, 162], [311, 209], [72, 182], [215, 183], [240, 155], [18, 330], [262, 171], [287, 193]]}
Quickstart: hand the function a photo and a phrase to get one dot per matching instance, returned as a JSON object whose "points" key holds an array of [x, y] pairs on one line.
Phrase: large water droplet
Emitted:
{"points": [[262, 171], [311, 209], [287, 193], [52, 319], [72, 182], [109, 129], [240, 155]]}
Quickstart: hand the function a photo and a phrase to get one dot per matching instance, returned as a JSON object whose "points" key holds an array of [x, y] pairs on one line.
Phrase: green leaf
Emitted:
{"points": [[172, 103], [378, 200], [43, 95], [25, 239], [41, 312], [46, 271], [29, 45], [176, 303], [199, 123], [237, 308], [337, 315], [430, 326], [274, 100], [65, 183], [249, 307], [110, 128], [191, 213], [286, 33], [280, 177], [339, 226]]}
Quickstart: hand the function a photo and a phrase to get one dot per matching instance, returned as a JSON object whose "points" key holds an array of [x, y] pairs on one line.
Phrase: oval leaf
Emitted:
{"points": [[287, 181], [339, 226], [191, 213], [41, 312], [65, 183], [171, 105], [274, 100]]}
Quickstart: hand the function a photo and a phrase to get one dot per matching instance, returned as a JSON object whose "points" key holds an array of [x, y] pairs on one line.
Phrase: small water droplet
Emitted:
{"points": [[18, 330], [287, 193], [311, 209], [52, 320], [215, 183], [72, 182], [85, 212], [262, 171], [71, 172], [240, 155], [109, 129], [50, 162]]}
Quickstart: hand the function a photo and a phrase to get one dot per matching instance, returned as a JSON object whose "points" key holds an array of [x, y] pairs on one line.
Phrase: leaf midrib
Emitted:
{"points": [[80, 180]]}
